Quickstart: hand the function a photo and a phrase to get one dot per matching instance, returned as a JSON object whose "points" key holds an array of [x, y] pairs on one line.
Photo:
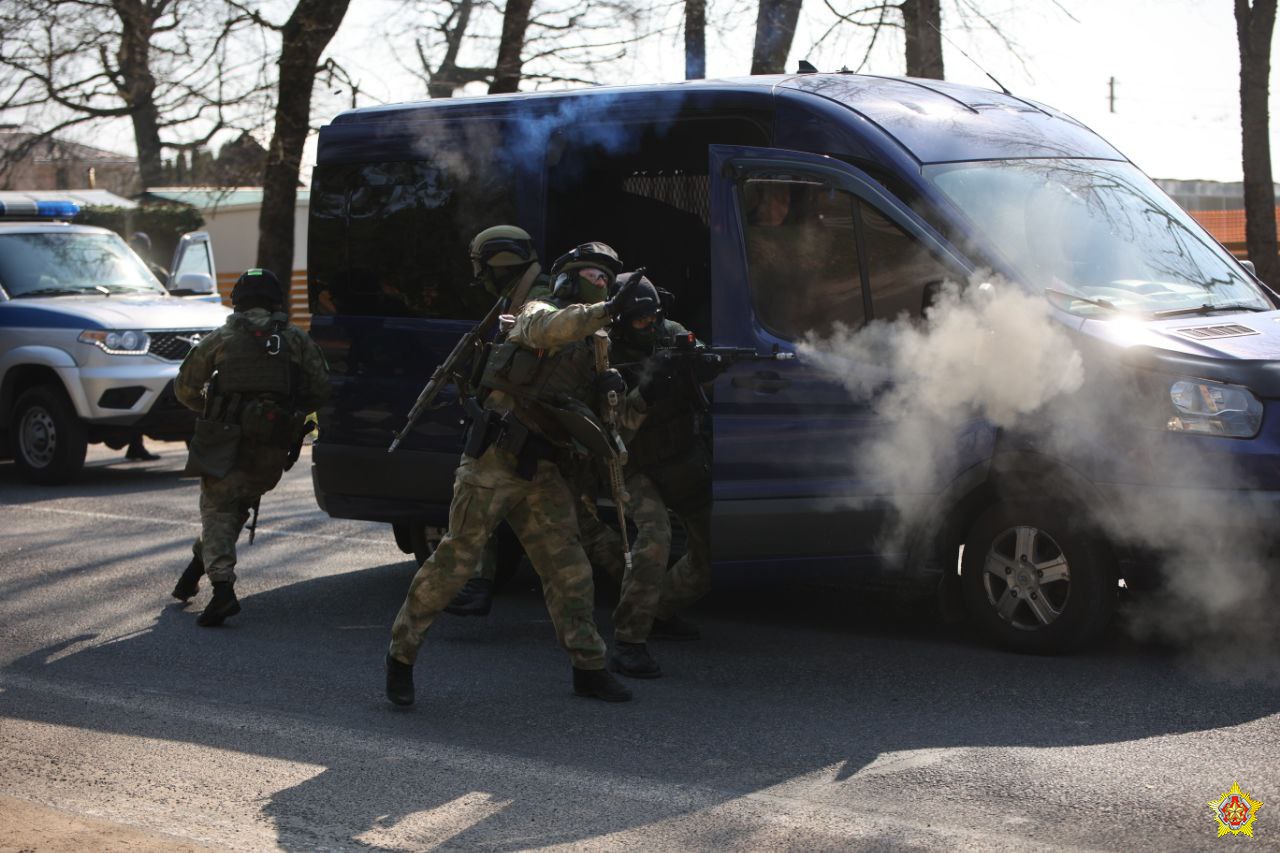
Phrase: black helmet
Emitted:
{"points": [[257, 288], [139, 241], [644, 299]]}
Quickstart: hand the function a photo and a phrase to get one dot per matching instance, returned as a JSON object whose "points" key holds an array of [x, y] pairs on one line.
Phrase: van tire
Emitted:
{"points": [[49, 440], [1036, 580]]}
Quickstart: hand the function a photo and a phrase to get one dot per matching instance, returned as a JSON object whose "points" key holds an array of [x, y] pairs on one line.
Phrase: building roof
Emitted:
{"points": [[216, 198], [53, 149]]}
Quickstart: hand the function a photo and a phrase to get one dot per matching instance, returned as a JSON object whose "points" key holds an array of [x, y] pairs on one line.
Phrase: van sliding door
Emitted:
{"points": [[800, 246]]}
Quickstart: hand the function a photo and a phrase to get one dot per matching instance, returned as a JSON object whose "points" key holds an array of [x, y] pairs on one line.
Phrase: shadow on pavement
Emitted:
{"points": [[788, 680]]}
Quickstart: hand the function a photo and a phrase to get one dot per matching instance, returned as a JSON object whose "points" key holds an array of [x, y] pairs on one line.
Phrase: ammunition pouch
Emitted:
{"points": [[266, 423], [510, 364], [508, 433], [214, 448]]}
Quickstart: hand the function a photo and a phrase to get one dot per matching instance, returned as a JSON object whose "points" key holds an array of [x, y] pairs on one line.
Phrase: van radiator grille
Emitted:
{"points": [[1204, 333], [174, 346]]}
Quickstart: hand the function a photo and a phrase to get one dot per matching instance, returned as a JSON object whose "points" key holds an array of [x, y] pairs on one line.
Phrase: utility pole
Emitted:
{"points": [[1111, 96]]}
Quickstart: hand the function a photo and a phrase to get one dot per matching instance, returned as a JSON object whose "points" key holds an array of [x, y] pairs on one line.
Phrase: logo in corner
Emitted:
{"points": [[1235, 812]]}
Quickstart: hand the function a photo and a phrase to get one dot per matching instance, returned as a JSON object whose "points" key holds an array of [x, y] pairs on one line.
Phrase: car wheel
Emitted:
{"points": [[1036, 581], [420, 544], [49, 440]]}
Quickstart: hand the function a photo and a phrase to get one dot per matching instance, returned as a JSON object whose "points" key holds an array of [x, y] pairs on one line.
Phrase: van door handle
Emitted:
{"points": [[766, 381]]}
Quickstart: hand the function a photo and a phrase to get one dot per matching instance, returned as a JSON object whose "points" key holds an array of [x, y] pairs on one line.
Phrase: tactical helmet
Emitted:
{"points": [[501, 246], [140, 242], [257, 288], [593, 255]]}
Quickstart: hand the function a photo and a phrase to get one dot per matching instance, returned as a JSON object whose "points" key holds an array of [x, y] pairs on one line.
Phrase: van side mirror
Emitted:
{"points": [[192, 284]]}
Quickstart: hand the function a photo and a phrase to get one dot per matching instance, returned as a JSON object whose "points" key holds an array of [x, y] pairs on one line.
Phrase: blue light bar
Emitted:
{"points": [[15, 209]]}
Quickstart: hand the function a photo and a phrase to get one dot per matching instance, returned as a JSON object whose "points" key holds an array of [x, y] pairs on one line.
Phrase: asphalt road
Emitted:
{"points": [[810, 716]]}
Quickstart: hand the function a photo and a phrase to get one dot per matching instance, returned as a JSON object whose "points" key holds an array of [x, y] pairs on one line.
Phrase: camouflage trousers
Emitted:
{"points": [[224, 508], [541, 512], [649, 590]]}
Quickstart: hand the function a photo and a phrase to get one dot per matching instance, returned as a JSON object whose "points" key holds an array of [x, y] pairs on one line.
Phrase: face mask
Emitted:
{"points": [[588, 292]]}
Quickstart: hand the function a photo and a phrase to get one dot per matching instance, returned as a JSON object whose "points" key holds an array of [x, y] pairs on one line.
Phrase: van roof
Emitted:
{"points": [[933, 120]]}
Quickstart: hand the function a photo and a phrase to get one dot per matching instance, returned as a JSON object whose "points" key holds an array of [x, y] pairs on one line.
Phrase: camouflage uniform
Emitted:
{"points": [[225, 501], [669, 468], [540, 509]]}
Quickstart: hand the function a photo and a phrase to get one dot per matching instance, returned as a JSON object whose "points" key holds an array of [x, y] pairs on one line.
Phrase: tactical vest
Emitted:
{"points": [[247, 366], [670, 427], [536, 375], [255, 384]]}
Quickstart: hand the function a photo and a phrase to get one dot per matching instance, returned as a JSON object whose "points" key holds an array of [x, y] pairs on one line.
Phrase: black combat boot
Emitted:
{"points": [[634, 660], [223, 605], [674, 628], [399, 681], [189, 584], [599, 684], [474, 599]]}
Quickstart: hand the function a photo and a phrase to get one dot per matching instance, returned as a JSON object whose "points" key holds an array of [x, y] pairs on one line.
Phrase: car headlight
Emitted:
{"points": [[1212, 408], [117, 343]]}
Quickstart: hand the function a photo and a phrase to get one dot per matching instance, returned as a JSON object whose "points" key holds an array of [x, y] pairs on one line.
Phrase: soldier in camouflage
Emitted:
{"points": [[253, 381], [541, 382]]}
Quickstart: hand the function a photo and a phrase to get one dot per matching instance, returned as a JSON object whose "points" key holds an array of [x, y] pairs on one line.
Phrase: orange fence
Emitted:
{"points": [[299, 309]]}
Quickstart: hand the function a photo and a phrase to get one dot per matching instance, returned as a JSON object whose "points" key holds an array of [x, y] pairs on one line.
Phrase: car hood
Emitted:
{"points": [[119, 311], [1240, 348]]}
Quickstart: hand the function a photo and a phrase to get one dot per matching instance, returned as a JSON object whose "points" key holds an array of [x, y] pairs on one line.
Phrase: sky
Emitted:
{"points": [[1175, 65]]}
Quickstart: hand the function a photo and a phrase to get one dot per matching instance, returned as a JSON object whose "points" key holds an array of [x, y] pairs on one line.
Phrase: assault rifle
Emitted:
{"points": [[697, 363], [467, 345]]}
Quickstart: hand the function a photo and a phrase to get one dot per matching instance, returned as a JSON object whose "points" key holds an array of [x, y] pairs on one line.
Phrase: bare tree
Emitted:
{"points": [[525, 41], [775, 29], [695, 39], [515, 23], [922, 23], [1254, 26], [303, 39], [161, 64]]}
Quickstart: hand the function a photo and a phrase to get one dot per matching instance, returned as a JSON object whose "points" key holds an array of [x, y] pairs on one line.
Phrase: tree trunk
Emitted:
{"points": [[303, 38], [922, 20], [695, 39], [1253, 28], [445, 79], [137, 86], [775, 27], [506, 72]]}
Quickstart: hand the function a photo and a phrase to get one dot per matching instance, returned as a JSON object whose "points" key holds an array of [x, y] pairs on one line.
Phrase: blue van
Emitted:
{"points": [[774, 208]]}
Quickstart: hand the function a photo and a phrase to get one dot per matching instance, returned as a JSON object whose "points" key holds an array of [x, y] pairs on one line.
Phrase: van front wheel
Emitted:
{"points": [[49, 440], [1036, 582]]}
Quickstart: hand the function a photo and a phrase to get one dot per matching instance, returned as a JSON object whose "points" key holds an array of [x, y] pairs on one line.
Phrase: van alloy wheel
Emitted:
{"points": [[1026, 577], [1037, 577], [37, 437]]}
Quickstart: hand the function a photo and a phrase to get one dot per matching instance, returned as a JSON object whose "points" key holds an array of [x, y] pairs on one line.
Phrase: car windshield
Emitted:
{"points": [[1096, 236], [71, 262]]}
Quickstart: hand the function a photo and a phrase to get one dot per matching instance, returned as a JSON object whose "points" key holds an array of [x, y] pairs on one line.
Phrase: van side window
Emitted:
{"points": [[390, 239], [802, 255], [902, 274]]}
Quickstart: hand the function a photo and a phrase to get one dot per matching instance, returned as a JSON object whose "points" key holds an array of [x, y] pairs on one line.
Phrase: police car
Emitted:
{"points": [[90, 341]]}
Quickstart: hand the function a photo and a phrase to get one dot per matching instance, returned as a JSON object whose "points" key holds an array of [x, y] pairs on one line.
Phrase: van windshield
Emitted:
{"points": [[1097, 235], [69, 263]]}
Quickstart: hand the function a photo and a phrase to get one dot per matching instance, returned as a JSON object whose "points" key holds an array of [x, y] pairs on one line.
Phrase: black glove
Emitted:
{"points": [[610, 380], [658, 378], [621, 301], [708, 367]]}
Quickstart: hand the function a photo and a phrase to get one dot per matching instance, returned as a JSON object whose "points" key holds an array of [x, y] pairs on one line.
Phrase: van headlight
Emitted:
{"points": [[117, 343], [1212, 408]]}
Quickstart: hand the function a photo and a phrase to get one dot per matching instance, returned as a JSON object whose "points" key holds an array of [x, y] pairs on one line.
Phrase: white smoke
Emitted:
{"points": [[991, 351]]}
